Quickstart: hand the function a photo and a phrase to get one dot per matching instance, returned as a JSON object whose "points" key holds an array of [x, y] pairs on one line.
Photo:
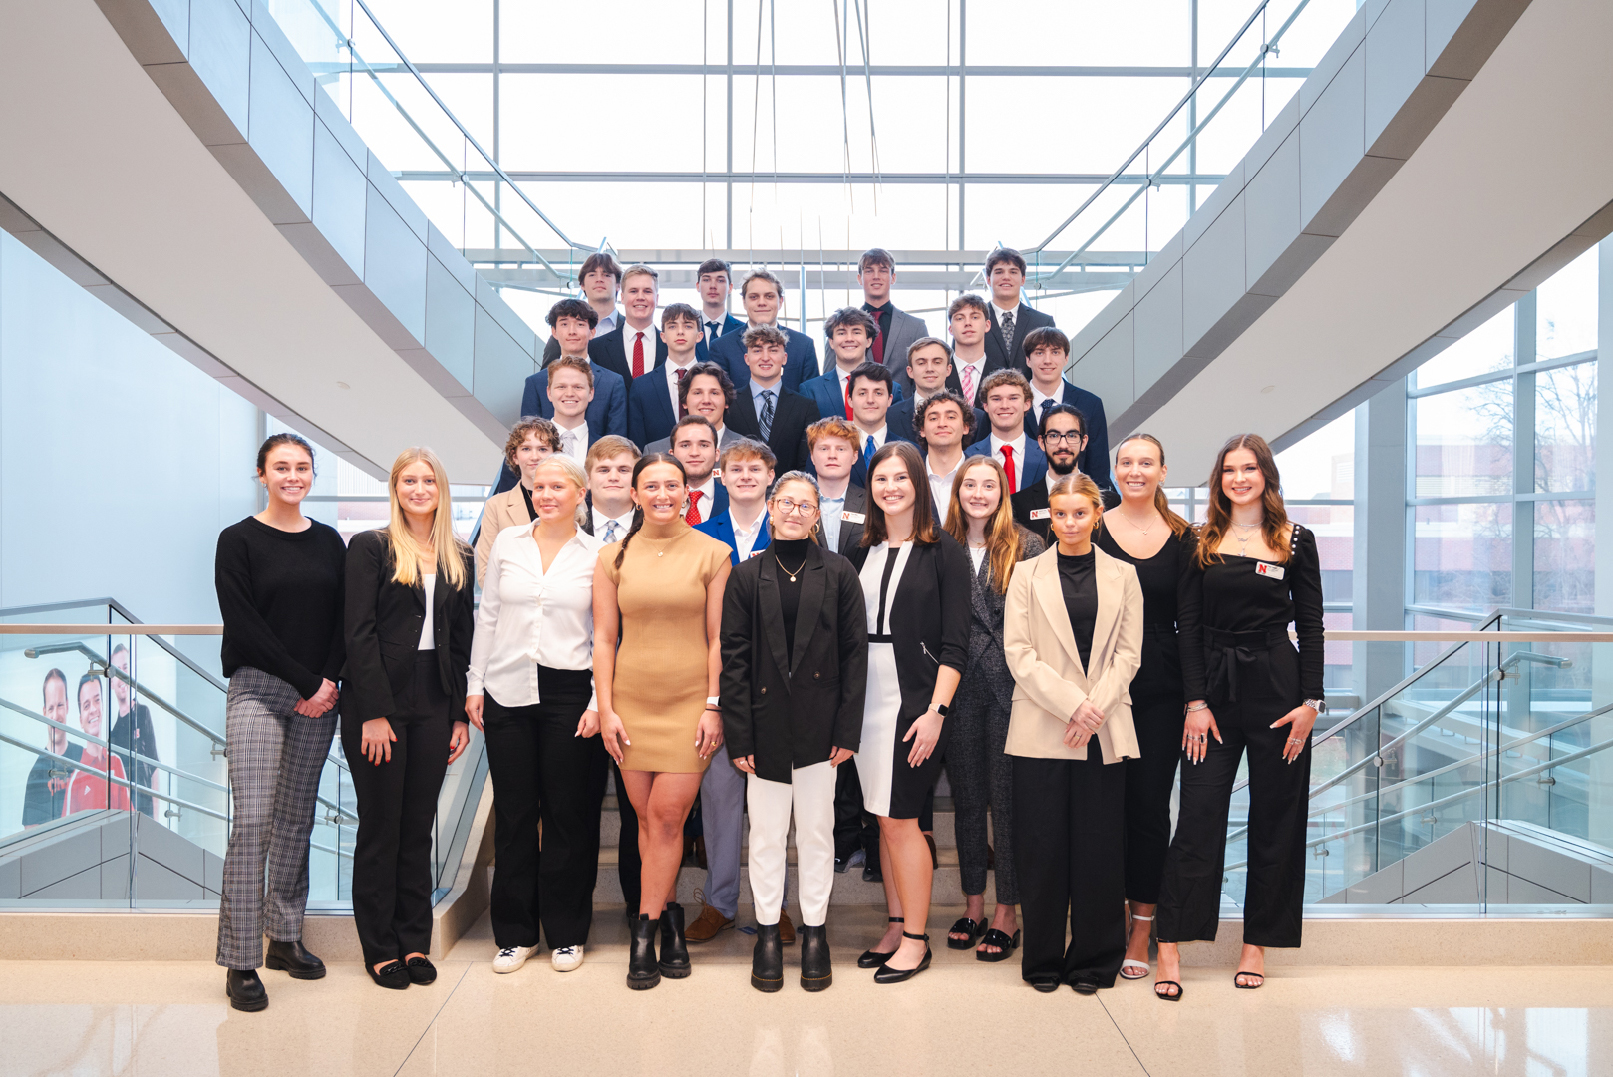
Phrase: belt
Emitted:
{"points": [[1225, 652]]}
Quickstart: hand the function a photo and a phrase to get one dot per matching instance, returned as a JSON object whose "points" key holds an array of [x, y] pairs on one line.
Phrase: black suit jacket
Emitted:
{"points": [[1094, 459], [609, 350], [1033, 499], [384, 619], [1025, 320], [928, 617], [792, 414], [791, 707], [851, 534]]}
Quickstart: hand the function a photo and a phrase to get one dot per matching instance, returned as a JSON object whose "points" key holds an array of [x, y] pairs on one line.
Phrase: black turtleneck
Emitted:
{"points": [[526, 495], [1079, 579], [791, 554]]}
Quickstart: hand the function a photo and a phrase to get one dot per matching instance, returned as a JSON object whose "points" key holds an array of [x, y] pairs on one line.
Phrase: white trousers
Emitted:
{"points": [[811, 795]]}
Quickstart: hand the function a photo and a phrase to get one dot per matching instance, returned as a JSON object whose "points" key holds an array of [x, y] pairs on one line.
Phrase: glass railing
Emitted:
{"points": [[1484, 778], [114, 786], [1231, 102], [440, 161]]}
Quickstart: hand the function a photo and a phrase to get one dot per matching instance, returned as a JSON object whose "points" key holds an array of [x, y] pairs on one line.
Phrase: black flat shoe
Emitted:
{"points": [[674, 947], [421, 970], [1046, 987], [1085, 987], [888, 975], [965, 926], [245, 990], [815, 972], [392, 975], [292, 957], [767, 963], [1005, 945], [643, 972], [872, 874], [872, 959]]}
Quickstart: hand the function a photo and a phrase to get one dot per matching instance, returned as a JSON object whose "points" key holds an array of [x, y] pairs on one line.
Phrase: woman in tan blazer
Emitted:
{"points": [[1072, 631], [531, 442]]}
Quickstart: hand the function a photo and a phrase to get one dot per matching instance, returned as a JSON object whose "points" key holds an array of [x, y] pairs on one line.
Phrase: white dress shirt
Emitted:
{"points": [[941, 486], [602, 524], [1037, 396], [1018, 446], [707, 492], [428, 628], [672, 382], [529, 617], [629, 336], [745, 540], [574, 442]]}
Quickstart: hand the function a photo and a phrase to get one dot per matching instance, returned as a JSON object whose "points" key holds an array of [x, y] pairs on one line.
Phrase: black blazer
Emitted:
{"points": [[1027, 319], [384, 619], [792, 709], [851, 534], [928, 617], [609, 350], [792, 414]]}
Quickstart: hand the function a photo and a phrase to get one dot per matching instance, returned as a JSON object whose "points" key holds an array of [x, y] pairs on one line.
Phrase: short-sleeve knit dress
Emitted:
{"points": [[660, 688]]}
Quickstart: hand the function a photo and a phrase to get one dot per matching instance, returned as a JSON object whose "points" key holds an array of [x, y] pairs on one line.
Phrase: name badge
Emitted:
{"points": [[1263, 569], [853, 517], [758, 553], [1041, 514]]}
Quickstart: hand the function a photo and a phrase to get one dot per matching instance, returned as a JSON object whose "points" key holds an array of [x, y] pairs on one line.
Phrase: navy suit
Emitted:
{"points": [[824, 391], [609, 350], [801, 358], [903, 412], [1094, 459], [719, 502], [649, 408], [859, 470], [721, 527], [1035, 462], [606, 414], [731, 326]]}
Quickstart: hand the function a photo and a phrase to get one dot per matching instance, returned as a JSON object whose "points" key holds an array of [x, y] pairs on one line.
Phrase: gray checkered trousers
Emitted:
{"points": [[275, 757]]}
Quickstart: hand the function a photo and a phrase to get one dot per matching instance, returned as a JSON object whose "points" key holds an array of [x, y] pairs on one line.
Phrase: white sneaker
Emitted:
{"points": [[567, 958], [511, 958]]}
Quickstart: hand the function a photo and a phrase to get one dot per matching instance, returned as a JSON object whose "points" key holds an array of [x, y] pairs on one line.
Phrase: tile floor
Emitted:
{"points": [[964, 1017]]}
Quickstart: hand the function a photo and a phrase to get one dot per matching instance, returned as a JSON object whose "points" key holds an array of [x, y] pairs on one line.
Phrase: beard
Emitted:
{"points": [[1061, 465]]}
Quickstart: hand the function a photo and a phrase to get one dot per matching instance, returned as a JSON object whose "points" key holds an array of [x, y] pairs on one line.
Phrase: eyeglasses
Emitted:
{"points": [[783, 506], [1053, 437]]}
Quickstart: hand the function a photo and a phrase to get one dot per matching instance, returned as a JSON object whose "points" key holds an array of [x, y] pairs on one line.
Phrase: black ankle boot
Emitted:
{"points": [[767, 963], [642, 971], [674, 948], [815, 974], [245, 990], [293, 957]]}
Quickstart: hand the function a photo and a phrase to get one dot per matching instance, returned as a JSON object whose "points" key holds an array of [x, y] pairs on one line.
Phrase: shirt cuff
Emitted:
{"points": [[473, 683]]}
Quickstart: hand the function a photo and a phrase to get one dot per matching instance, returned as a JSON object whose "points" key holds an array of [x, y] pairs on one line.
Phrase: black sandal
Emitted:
{"points": [[1260, 976], [872, 959], [1177, 997], [973, 928], [999, 939]]}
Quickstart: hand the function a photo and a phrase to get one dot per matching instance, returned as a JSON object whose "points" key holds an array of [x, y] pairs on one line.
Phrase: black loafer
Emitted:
{"points": [[392, 975], [1085, 987], [245, 990], [421, 970], [293, 958], [1045, 986]]}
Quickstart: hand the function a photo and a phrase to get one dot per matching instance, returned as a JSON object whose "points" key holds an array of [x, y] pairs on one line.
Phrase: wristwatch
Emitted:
{"points": [[1317, 705], [941, 708]]}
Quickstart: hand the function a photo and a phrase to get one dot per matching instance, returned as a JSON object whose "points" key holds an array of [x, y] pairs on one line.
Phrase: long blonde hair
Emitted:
{"points": [[1005, 540], [1218, 515], [406, 549]]}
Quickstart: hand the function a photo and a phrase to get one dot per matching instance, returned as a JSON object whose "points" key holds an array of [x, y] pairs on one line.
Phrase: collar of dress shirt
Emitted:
{"points": [[878, 436], [579, 450], [623, 522], [1018, 445], [940, 475], [1014, 310], [608, 322], [1037, 396], [747, 532], [757, 389], [707, 490]]}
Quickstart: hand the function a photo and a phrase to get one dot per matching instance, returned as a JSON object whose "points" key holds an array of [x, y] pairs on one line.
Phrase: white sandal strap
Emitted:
{"points": [[1149, 919]]}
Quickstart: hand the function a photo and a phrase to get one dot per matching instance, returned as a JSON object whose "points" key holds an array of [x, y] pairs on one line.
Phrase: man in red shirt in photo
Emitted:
{"points": [[89, 791]]}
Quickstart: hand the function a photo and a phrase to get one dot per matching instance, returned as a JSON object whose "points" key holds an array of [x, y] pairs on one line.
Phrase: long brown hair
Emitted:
{"points": [[406, 549], [1162, 504], [638, 512], [924, 530], [1219, 516], [1005, 542]]}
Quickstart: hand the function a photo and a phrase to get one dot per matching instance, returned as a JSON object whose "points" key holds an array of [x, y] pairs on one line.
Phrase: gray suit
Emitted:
{"points": [[905, 329], [729, 436]]}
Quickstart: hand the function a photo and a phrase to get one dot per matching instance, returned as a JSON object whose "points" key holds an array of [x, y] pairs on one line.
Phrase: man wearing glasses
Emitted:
{"points": [[1064, 435]]}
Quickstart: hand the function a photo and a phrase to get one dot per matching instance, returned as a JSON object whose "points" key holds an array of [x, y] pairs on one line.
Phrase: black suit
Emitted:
{"points": [[1026, 318], [792, 414], [790, 707], [609, 350], [420, 694], [993, 364], [851, 534]]}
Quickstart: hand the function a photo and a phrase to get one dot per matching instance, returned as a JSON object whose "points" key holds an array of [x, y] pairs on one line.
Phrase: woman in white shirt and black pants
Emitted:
{"points": [[531, 692]]}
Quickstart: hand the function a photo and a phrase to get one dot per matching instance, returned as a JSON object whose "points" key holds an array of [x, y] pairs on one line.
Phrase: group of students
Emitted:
{"points": [[811, 639]]}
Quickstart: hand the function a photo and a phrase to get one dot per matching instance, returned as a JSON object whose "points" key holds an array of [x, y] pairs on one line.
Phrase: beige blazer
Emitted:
{"points": [[1049, 682], [500, 511]]}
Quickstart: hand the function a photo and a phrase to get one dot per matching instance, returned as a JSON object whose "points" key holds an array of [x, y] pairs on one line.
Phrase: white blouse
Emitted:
{"points": [[529, 617]]}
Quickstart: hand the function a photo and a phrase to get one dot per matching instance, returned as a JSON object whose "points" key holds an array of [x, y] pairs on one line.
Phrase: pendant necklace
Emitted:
{"points": [[1245, 532], [1140, 530], [787, 572]]}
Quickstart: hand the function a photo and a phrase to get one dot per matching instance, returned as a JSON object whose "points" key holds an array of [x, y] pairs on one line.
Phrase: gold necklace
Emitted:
{"points": [[787, 572], [1140, 530]]}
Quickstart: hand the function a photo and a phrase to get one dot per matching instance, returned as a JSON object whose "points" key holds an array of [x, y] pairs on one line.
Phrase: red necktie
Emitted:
{"points": [[692, 517], [879, 342], [682, 411], [638, 354], [1008, 466], [848, 401]]}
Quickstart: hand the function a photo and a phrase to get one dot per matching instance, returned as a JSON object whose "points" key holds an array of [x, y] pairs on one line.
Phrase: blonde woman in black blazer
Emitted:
{"points": [[409, 597]]}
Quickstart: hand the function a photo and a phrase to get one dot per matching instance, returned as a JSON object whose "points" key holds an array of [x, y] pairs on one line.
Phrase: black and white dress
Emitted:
{"points": [[917, 598]]}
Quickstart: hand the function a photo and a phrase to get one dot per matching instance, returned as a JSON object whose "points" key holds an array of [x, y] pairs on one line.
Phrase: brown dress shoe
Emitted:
{"points": [[786, 930], [704, 927]]}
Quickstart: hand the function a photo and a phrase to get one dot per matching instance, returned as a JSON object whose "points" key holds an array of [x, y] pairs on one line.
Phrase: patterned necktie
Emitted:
{"points": [[713, 331], [968, 373], [568, 442], [692, 517], [1008, 335], [610, 530], [638, 353], [767, 414], [1008, 466], [1041, 420]]}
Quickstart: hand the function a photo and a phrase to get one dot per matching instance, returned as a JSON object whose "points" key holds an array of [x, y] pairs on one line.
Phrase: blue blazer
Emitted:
{"points": [[824, 391], [1094, 459], [1035, 469], [606, 414], [722, 528], [801, 357], [649, 408], [731, 326]]}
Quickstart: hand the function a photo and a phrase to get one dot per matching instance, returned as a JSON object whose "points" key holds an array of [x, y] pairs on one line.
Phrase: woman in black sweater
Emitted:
{"points": [[280, 581], [1144, 532], [1259, 573], [409, 617]]}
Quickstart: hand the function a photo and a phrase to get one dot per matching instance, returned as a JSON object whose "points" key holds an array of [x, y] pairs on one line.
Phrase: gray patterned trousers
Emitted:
{"points": [[981, 776], [275, 757]]}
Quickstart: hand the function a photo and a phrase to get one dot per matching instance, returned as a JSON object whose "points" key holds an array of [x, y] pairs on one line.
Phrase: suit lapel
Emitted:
{"points": [[1109, 598], [772, 606], [813, 586], [1050, 594]]}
